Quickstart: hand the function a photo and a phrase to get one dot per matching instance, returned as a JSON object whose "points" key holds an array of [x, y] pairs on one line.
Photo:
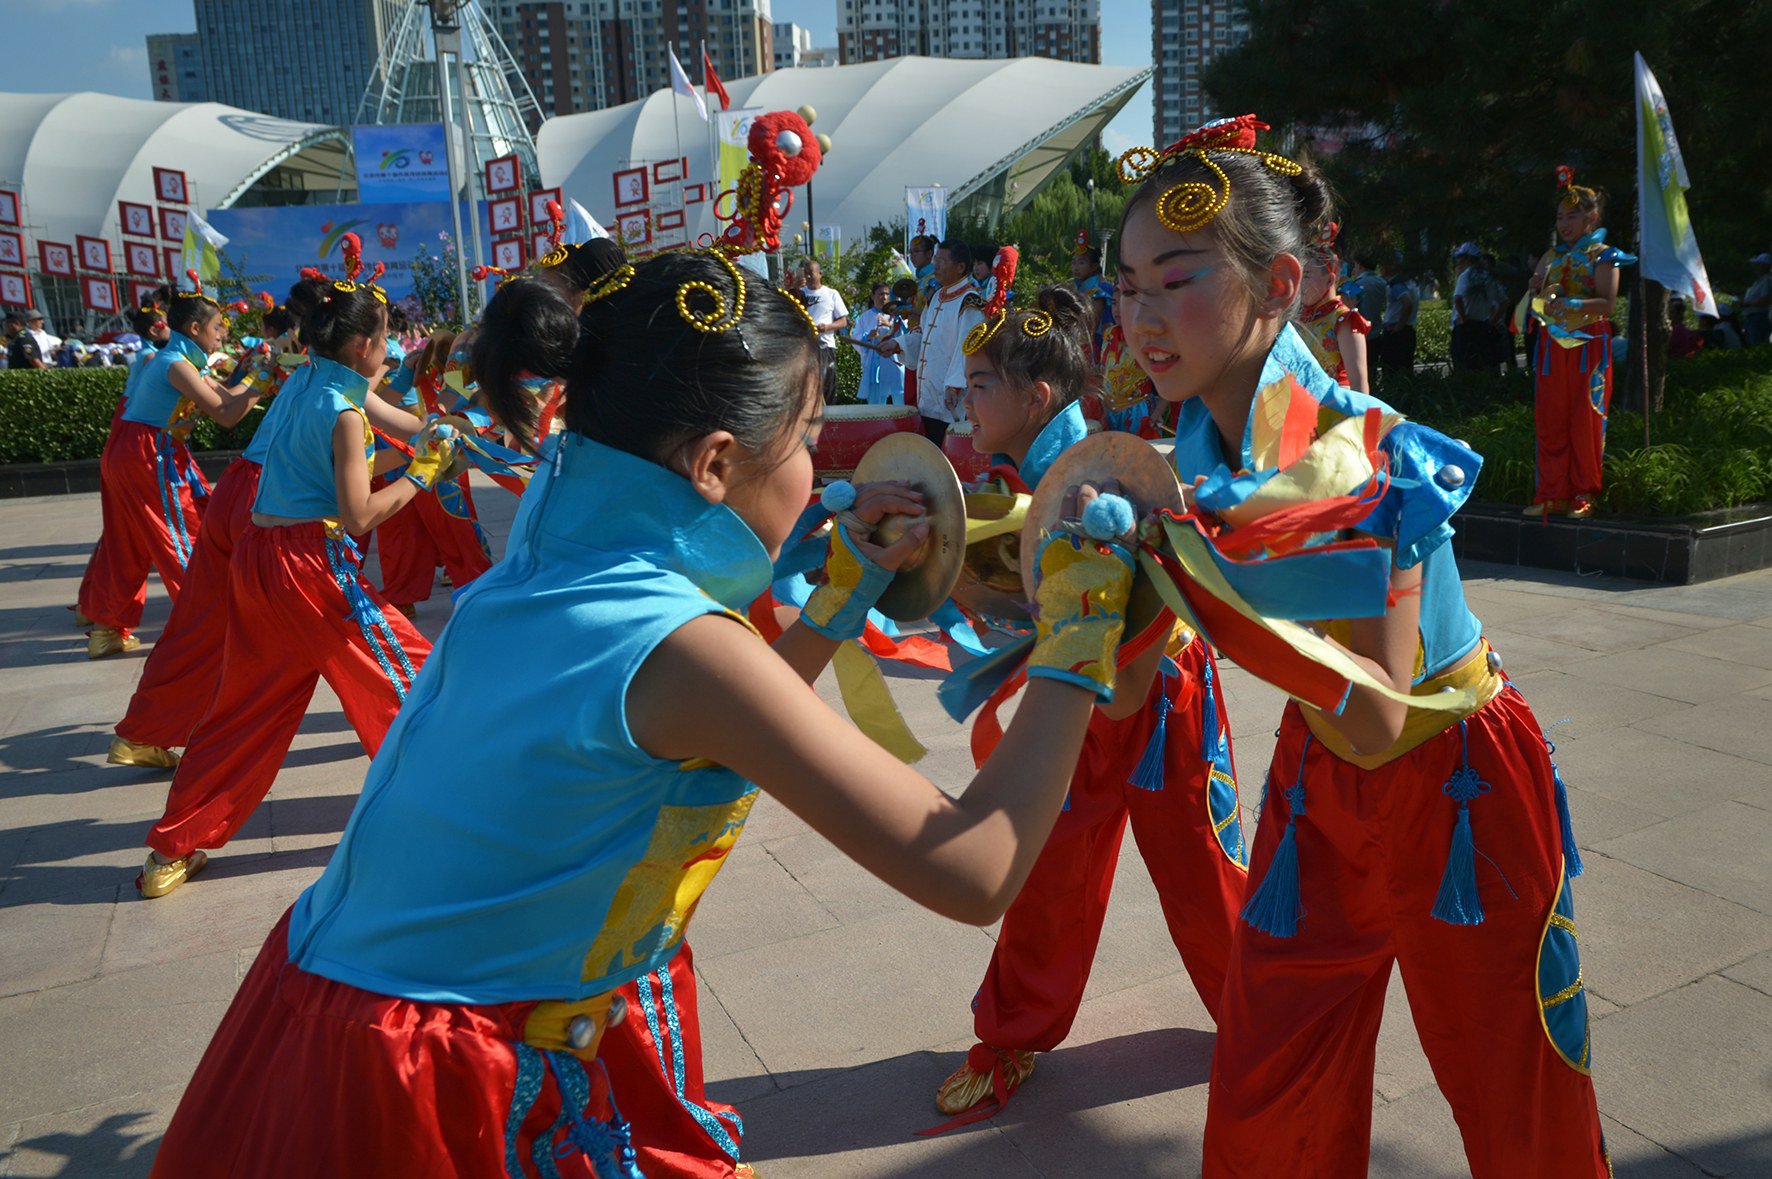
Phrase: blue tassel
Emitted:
{"points": [[1148, 774], [1275, 906], [1458, 902], [1571, 855]]}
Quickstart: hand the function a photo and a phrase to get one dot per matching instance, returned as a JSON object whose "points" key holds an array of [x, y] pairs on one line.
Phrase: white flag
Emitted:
{"points": [[202, 241], [1669, 253], [581, 227], [680, 83]]}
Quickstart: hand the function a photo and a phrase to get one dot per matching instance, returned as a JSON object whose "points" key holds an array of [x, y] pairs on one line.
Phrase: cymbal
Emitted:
{"points": [[1145, 477], [990, 583], [918, 589]]}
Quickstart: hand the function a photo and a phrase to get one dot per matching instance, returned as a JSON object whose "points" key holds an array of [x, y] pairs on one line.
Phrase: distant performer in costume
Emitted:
{"points": [[298, 606], [1433, 837], [1335, 331], [150, 488], [1573, 292], [1158, 756], [1094, 289]]}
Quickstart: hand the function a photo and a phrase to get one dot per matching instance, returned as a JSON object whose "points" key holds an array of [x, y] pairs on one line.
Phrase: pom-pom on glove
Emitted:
{"points": [[839, 608], [433, 451], [1080, 602]]}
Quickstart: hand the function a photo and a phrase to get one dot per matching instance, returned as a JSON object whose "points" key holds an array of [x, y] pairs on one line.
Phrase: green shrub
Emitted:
{"points": [[57, 414], [1710, 447], [1433, 332]]}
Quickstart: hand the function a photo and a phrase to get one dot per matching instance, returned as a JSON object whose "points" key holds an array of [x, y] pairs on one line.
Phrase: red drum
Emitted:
{"points": [[849, 430], [968, 463]]}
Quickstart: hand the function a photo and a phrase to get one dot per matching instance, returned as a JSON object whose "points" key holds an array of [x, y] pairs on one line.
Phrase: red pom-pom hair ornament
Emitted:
{"points": [[1565, 176], [556, 225], [784, 155], [313, 272], [351, 246], [1003, 269], [266, 300]]}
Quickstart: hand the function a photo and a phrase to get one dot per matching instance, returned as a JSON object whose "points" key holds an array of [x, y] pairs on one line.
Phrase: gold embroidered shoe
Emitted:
{"points": [[744, 1171], [109, 640], [1538, 511], [125, 752], [988, 1074], [157, 879], [1582, 510]]}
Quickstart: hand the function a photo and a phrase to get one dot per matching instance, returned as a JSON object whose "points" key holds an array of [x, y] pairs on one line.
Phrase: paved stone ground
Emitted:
{"points": [[831, 1007]]}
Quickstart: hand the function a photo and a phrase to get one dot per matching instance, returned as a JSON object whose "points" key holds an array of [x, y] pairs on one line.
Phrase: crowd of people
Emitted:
{"points": [[492, 977]]}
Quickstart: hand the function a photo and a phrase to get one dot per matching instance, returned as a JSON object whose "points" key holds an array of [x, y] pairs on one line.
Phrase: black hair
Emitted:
{"points": [[1265, 214], [15, 316], [303, 297], [188, 310], [958, 250], [397, 318], [530, 326], [278, 320], [142, 319], [1059, 356], [645, 381], [983, 252], [340, 317], [584, 265]]}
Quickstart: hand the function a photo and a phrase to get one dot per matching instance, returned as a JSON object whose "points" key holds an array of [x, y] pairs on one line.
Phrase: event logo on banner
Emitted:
{"points": [[1669, 248], [927, 206], [732, 130], [827, 245], [401, 162], [269, 246]]}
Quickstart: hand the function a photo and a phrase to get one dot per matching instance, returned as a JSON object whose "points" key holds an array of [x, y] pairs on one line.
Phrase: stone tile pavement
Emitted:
{"points": [[832, 1007]]}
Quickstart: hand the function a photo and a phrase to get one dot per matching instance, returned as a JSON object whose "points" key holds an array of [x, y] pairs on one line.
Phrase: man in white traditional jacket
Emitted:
{"points": [[941, 363]]}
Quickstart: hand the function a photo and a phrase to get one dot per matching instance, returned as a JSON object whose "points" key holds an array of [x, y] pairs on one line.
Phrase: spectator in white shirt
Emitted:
{"points": [[825, 305], [941, 364], [1476, 311], [1756, 304]]}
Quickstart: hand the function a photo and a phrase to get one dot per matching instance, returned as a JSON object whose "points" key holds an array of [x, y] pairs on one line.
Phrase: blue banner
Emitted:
{"points": [[401, 162], [268, 247]]}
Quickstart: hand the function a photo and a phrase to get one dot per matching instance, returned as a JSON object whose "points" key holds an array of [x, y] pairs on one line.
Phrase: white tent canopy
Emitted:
{"points": [[993, 128], [77, 155]]}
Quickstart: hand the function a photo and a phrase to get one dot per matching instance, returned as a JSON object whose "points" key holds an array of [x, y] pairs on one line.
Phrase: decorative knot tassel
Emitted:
{"points": [[1571, 855], [1148, 773], [1458, 903], [1274, 907]]}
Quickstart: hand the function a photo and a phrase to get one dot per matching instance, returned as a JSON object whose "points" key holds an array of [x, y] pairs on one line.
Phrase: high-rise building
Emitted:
{"points": [[1067, 30], [175, 67], [582, 55], [1186, 36], [308, 61], [791, 44]]}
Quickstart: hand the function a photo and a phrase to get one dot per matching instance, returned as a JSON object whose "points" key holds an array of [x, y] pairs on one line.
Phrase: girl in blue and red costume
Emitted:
{"points": [[1335, 332], [1431, 839], [181, 673], [436, 1002], [1158, 756], [297, 606], [1576, 286], [150, 489]]}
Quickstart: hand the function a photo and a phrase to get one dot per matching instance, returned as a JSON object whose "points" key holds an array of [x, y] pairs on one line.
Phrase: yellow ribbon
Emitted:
{"points": [[986, 527], [871, 705]]}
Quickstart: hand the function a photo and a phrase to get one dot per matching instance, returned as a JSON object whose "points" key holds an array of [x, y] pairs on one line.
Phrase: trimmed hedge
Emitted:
{"points": [[57, 414], [1710, 446]]}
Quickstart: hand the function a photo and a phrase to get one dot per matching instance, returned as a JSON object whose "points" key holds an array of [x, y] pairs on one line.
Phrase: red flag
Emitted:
{"points": [[711, 81]]}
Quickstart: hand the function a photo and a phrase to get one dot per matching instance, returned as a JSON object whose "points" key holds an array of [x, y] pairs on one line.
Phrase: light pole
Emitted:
{"points": [[447, 32]]}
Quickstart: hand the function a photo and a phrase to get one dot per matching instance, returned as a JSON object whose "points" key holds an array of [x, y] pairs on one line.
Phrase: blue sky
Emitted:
{"points": [[98, 45]]}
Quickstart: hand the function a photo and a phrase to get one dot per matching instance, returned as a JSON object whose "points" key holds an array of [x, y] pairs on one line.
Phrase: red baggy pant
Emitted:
{"points": [[298, 609], [1571, 398], [308, 1077], [151, 494], [1189, 832], [423, 535], [654, 1062], [86, 577], [1292, 1072], [182, 669]]}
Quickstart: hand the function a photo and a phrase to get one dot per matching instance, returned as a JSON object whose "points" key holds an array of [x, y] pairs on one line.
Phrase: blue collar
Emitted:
{"points": [[1596, 238], [347, 382], [183, 347], [612, 501], [1058, 435]]}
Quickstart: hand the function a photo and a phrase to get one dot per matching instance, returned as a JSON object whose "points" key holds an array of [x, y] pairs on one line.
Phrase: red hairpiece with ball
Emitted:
{"points": [[1238, 132], [784, 155]]}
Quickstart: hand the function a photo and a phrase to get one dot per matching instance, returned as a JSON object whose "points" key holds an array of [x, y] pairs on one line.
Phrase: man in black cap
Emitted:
{"points": [[22, 350]]}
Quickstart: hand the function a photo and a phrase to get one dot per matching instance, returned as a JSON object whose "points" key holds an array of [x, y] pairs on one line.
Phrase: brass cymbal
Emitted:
{"points": [[990, 583], [917, 590], [1145, 478]]}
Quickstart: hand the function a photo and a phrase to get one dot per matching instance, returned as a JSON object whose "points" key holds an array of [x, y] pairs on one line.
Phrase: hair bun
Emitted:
{"points": [[1311, 191], [1064, 305]]}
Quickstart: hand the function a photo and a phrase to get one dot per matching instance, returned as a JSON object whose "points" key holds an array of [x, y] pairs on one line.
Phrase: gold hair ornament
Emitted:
{"points": [[1034, 324], [723, 316], [618, 279], [1194, 204]]}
